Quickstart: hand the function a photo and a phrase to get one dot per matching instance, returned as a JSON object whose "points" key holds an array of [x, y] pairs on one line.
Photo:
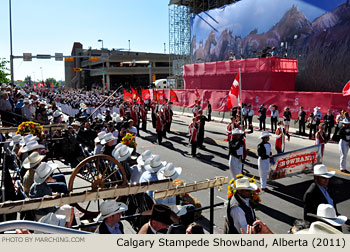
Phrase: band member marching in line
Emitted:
{"points": [[143, 111], [236, 146], [159, 126], [193, 137], [230, 127], [281, 137], [264, 152]]}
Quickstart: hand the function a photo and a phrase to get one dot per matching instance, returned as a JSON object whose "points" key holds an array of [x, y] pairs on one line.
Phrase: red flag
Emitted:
{"points": [[173, 96], [155, 95], [160, 97], [127, 96], [346, 89], [51, 84], [197, 96], [138, 100], [134, 94], [234, 98], [145, 94], [34, 86]]}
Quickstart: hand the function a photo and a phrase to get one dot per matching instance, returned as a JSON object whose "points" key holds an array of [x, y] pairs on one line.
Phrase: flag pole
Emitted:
{"points": [[240, 95]]}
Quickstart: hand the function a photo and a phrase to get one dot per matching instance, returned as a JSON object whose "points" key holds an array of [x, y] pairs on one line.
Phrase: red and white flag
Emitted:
{"points": [[346, 89], [234, 97]]}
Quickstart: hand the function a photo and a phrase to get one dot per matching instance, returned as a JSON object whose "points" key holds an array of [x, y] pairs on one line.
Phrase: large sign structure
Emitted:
{"points": [[315, 32]]}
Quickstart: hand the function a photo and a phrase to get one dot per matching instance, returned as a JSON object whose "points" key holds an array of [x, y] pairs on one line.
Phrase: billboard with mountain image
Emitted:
{"points": [[316, 32]]}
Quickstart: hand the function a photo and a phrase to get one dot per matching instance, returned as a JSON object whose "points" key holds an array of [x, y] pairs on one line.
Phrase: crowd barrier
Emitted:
{"points": [[292, 99]]}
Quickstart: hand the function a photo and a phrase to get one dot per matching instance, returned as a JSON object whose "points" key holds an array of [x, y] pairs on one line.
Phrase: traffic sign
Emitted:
{"points": [[27, 57], [43, 56], [59, 56]]}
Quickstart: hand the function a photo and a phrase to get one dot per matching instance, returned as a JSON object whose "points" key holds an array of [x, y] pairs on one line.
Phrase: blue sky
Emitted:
{"points": [[49, 26]]}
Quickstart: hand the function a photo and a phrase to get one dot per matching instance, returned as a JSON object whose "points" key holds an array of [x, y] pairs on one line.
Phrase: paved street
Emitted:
{"points": [[278, 208]]}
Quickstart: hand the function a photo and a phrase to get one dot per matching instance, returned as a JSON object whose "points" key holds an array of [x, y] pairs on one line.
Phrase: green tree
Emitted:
{"points": [[49, 81], [28, 80], [3, 71]]}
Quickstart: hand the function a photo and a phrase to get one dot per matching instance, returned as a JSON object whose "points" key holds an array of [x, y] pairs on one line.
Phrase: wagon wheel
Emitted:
{"points": [[98, 171]]}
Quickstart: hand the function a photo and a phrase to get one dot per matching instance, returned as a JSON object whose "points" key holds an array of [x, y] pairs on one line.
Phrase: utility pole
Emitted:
{"points": [[11, 54]]}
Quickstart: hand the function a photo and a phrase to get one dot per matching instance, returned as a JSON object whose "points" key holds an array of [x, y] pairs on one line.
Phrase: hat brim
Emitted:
{"points": [[38, 146], [140, 161], [28, 165], [251, 187], [151, 169], [38, 180], [176, 174], [122, 208], [104, 141], [339, 221], [267, 135], [326, 175], [125, 157]]}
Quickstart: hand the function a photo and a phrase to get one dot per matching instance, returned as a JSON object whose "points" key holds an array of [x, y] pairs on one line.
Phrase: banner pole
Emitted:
{"points": [[240, 95]]}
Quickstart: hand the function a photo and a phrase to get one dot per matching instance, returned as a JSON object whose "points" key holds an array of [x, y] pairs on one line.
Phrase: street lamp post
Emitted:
{"points": [[101, 40], [11, 55], [129, 44], [42, 75]]}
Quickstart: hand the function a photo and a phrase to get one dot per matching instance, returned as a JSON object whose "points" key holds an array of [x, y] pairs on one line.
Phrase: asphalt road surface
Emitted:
{"points": [[279, 207]]}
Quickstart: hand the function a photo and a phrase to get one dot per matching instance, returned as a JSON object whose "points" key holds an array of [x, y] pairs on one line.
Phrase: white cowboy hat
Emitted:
{"points": [[317, 108], [107, 138], [28, 138], [116, 148], [169, 172], [178, 209], [76, 123], [154, 164], [32, 160], [244, 184], [319, 227], [65, 210], [117, 118], [43, 172], [121, 154], [111, 207], [42, 103], [326, 212], [83, 106], [52, 219], [26, 100], [237, 131], [265, 134], [345, 121], [144, 156], [32, 145], [57, 113], [321, 170], [100, 136], [15, 140]]}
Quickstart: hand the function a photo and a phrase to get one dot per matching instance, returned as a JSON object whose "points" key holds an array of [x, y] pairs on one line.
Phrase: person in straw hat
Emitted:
{"points": [[318, 192], [110, 214], [326, 213], [45, 184], [236, 152], [264, 153], [239, 212], [30, 164], [344, 142], [109, 143]]}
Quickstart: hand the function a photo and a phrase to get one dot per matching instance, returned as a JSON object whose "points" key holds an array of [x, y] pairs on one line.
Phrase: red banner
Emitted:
{"points": [[293, 100]]}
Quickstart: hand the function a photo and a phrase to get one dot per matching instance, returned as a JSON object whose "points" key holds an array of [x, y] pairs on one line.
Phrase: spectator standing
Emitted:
{"points": [[274, 117], [262, 117], [329, 123], [301, 119], [287, 115]]}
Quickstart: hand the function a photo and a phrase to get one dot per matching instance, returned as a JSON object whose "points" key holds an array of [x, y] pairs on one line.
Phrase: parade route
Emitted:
{"points": [[279, 207]]}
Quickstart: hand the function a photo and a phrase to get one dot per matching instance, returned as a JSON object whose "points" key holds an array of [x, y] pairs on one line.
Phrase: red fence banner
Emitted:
{"points": [[292, 99], [294, 162]]}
